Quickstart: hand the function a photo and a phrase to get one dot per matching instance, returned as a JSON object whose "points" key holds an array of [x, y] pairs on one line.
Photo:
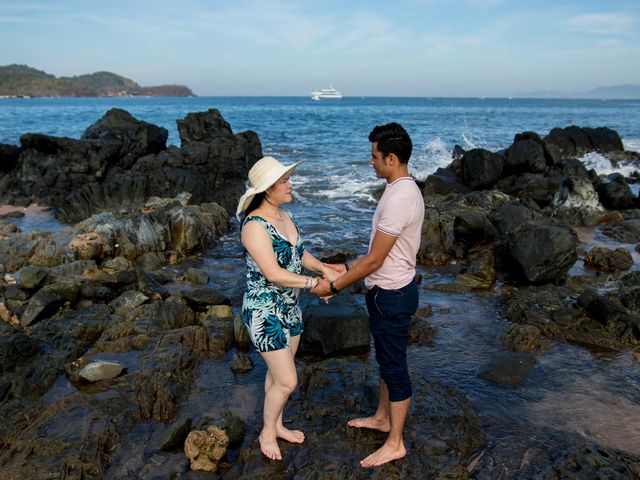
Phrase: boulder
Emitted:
{"points": [[472, 228], [8, 157], [200, 298], [339, 329], [481, 168], [442, 182], [46, 301], [508, 369], [543, 252], [509, 217], [604, 140], [525, 155], [530, 186], [135, 138], [608, 260], [32, 277], [615, 194], [481, 274]]}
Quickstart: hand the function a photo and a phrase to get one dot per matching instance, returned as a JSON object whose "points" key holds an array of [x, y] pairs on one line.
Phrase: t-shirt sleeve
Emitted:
{"points": [[395, 215]]}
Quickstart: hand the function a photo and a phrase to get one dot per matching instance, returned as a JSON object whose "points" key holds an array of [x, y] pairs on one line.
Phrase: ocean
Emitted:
{"points": [[333, 188], [571, 393]]}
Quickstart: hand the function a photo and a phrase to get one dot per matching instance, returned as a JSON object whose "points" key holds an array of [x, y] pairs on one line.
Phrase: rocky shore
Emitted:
{"points": [[108, 329]]}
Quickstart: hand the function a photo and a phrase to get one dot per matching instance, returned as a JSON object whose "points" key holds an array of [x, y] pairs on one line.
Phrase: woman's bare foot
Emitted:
{"points": [[293, 436], [269, 446], [386, 453], [370, 422]]}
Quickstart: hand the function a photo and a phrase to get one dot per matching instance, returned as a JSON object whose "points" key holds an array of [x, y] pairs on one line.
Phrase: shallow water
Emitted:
{"points": [[571, 393]]}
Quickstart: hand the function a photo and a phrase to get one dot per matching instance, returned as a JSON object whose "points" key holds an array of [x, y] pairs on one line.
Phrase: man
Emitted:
{"points": [[389, 272]]}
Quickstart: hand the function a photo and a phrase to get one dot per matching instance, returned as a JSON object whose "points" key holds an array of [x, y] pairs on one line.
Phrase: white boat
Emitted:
{"points": [[325, 93]]}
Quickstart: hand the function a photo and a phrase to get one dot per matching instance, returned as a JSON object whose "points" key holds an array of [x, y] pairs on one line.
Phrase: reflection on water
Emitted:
{"points": [[34, 217], [570, 391]]}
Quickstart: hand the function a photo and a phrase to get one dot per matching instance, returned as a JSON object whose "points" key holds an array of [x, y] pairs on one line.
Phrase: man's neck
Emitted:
{"points": [[400, 172]]}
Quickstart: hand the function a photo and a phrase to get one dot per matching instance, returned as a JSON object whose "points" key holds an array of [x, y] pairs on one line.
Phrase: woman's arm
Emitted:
{"points": [[257, 242]]}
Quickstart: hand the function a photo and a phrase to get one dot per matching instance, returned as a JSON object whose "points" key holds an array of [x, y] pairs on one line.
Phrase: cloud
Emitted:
{"points": [[602, 23], [611, 42]]}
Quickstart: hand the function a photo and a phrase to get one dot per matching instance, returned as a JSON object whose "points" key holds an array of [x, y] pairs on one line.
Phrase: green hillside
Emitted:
{"points": [[21, 80]]}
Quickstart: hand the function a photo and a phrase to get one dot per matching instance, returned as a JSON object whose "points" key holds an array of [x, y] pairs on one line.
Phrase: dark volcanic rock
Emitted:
{"points": [[543, 252], [594, 461], [341, 328], [575, 141], [440, 435], [627, 231], [525, 156], [615, 193], [200, 298], [481, 169], [608, 260], [8, 157], [136, 138], [444, 181], [123, 161]]}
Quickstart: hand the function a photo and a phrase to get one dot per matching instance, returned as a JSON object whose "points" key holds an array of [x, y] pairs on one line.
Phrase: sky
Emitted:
{"points": [[363, 48]]}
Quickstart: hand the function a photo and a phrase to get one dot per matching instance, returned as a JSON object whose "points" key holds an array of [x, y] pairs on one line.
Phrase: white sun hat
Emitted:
{"points": [[264, 173]]}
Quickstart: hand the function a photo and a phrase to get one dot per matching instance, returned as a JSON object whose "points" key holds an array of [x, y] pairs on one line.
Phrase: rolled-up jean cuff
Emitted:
{"points": [[399, 394]]}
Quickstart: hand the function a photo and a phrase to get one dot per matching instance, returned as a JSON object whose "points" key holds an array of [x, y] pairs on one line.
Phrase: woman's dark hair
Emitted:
{"points": [[255, 203], [392, 138]]}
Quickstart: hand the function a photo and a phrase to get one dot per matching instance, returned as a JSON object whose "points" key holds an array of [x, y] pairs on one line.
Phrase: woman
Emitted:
{"points": [[275, 257]]}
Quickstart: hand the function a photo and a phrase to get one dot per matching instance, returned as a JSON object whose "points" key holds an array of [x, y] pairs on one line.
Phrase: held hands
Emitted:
{"points": [[322, 290], [339, 268], [329, 273]]}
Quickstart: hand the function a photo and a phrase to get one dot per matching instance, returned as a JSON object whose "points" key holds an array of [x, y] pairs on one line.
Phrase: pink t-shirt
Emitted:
{"points": [[400, 212]]}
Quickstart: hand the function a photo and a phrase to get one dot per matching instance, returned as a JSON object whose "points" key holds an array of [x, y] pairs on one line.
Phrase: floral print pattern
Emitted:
{"points": [[272, 312]]}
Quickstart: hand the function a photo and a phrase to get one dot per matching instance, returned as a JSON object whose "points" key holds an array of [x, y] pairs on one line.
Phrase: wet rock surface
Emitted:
{"points": [[113, 290], [442, 432]]}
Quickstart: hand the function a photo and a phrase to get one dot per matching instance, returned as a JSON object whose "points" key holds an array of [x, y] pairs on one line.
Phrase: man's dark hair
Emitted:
{"points": [[392, 138]]}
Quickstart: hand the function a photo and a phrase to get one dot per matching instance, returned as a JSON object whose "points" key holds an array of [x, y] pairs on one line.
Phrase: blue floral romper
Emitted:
{"points": [[272, 312]]}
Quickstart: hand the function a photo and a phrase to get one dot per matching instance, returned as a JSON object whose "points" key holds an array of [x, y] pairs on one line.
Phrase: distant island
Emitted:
{"points": [[618, 92], [24, 81]]}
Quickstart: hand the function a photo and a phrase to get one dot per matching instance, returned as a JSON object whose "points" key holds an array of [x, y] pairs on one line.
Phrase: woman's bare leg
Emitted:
{"points": [[281, 380], [293, 436]]}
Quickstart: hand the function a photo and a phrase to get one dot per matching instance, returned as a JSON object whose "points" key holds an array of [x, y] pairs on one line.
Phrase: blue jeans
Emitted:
{"points": [[390, 313]]}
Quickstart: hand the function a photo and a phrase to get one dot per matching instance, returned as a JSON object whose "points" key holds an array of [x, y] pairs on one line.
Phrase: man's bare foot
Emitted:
{"points": [[370, 422], [383, 455], [293, 436], [269, 446]]}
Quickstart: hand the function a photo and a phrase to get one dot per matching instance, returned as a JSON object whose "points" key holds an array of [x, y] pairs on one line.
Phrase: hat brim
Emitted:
{"points": [[251, 192]]}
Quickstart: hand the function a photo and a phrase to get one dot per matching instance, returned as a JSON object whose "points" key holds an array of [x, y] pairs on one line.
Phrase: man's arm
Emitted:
{"points": [[366, 265]]}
